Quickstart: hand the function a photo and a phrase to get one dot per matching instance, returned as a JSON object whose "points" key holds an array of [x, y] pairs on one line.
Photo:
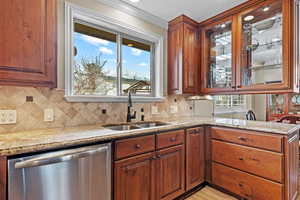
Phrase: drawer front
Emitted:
{"points": [[134, 146], [244, 184], [170, 139], [249, 138], [263, 163]]}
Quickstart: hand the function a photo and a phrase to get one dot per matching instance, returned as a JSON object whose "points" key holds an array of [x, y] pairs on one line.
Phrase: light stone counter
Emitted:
{"points": [[46, 139]]}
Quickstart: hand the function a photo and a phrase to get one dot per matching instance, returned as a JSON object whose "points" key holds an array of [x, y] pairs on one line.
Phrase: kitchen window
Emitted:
{"points": [[230, 103], [106, 61]]}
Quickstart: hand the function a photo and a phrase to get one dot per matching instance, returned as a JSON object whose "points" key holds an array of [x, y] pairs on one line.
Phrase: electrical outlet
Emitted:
{"points": [[173, 109], [154, 110], [8, 116], [48, 115]]}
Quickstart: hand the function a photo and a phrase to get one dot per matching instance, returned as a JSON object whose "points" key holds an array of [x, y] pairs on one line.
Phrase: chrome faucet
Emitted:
{"points": [[129, 116]]}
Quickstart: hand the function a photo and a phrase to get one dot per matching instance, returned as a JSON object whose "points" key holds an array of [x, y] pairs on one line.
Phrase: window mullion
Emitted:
{"points": [[119, 66]]}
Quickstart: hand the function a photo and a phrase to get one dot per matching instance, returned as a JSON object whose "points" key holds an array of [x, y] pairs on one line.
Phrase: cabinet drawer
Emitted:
{"points": [[170, 139], [249, 138], [266, 164], [133, 146], [244, 184]]}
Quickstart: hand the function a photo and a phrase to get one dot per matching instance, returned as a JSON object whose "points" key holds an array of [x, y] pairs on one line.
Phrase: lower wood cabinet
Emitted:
{"points": [[260, 162], [170, 173], [134, 178], [255, 165], [155, 175], [195, 157], [245, 185]]}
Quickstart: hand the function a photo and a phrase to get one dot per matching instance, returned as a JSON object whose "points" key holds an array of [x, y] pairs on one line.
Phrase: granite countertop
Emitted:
{"points": [[46, 139]]}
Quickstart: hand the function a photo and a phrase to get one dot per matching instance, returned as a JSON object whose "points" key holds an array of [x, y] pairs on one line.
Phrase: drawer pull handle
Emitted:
{"points": [[241, 158], [241, 185], [173, 139], [254, 159], [137, 146], [153, 158], [242, 139]]}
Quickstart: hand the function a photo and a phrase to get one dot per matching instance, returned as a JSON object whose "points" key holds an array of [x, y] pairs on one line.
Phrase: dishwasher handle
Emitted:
{"points": [[60, 157]]}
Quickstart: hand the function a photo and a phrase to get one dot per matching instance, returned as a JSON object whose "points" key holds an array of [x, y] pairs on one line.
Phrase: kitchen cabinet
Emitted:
{"points": [[245, 185], [252, 48], [28, 43], [183, 56], [195, 158], [155, 175], [218, 66], [170, 173], [134, 178], [255, 165]]}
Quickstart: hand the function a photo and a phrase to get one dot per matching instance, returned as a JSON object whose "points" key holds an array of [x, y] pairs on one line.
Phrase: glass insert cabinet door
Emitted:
{"points": [[218, 56], [261, 45]]}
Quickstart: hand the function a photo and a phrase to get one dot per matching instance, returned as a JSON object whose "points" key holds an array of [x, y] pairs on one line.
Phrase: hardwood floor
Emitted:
{"points": [[209, 193]]}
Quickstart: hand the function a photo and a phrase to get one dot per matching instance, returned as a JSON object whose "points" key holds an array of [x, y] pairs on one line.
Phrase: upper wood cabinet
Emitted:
{"points": [[251, 48], [28, 43], [218, 56], [183, 56]]}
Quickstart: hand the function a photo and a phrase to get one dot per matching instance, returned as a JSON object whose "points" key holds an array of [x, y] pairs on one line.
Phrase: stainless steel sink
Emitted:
{"points": [[150, 124], [122, 127], [133, 126]]}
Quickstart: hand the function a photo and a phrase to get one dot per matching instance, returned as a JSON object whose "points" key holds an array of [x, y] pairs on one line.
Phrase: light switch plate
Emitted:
{"points": [[8, 116], [154, 110], [173, 109], [48, 115]]}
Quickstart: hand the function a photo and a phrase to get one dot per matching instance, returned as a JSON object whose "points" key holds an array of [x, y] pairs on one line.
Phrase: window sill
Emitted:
{"points": [[105, 99], [230, 112]]}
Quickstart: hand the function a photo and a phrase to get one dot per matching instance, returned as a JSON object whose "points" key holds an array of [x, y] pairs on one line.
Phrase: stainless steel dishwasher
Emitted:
{"points": [[77, 174]]}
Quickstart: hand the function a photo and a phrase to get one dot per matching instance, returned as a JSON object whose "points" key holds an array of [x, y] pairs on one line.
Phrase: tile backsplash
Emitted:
{"points": [[30, 114]]}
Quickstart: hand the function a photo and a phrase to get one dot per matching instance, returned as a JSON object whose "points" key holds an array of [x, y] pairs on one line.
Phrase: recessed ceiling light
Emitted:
{"points": [[248, 18], [134, 1], [265, 9], [223, 25], [276, 39]]}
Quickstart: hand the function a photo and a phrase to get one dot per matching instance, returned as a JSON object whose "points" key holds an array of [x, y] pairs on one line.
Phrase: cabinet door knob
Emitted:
{"points": [[242, 139], [137, 146], [173, 139], [241, 158]]}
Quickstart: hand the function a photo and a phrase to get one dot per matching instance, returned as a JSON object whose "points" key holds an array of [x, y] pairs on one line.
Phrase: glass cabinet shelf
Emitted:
{"points": [[219, 41], [261, 57]]}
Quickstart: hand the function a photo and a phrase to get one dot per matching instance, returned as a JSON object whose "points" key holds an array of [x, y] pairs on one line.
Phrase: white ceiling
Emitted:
{"points": [[198, 10]]}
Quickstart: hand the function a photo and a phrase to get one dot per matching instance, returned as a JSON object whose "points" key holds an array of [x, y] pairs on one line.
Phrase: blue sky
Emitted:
{"points": [[136, 62]]}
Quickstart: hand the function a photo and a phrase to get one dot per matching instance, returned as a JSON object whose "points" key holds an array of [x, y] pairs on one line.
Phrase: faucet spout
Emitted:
{"points": [[129, 115]]}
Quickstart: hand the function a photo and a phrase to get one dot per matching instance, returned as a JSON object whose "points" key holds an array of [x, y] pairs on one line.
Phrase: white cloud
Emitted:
{"points": [[136, 52], [106, 50], [115, 61], [94, 40], [143, 64]]}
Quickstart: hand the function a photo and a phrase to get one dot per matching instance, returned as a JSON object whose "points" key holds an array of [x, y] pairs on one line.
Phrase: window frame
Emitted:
{"points": [[241, 108], [76, 14]]}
